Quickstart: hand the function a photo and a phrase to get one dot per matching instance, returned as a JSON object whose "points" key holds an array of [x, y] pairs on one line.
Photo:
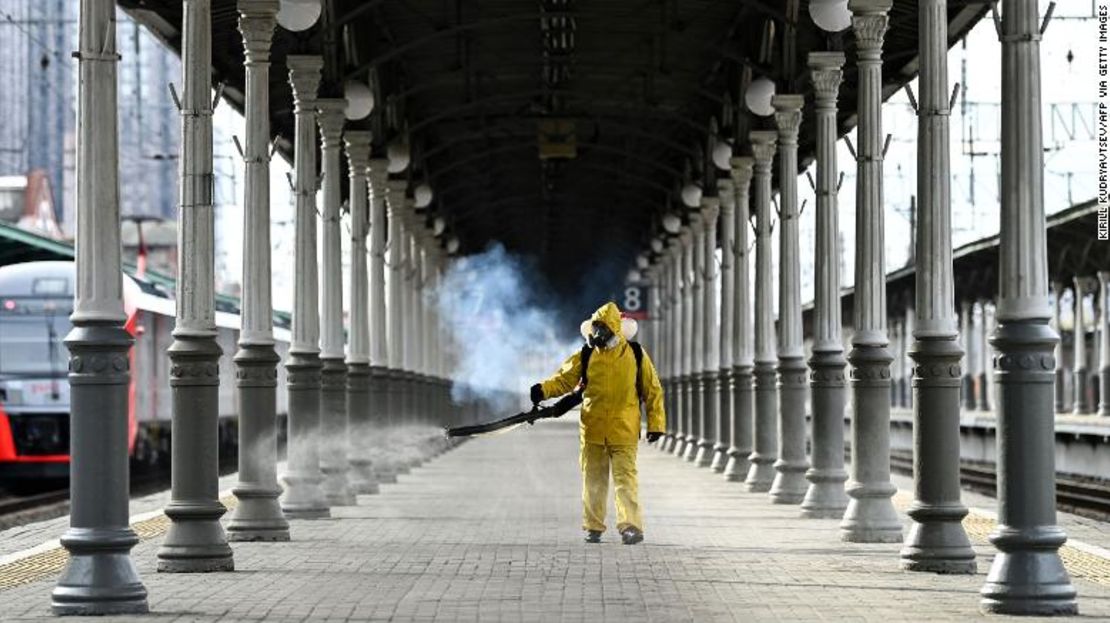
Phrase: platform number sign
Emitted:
{"points": [[634, 301]]}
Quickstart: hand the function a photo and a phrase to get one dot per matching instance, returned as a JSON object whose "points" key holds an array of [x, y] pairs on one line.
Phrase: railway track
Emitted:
{"points": [[1088, 498], [17, 504]]}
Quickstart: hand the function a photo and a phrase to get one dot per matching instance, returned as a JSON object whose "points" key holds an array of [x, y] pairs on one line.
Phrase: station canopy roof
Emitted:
{"points": [[563, 129]]}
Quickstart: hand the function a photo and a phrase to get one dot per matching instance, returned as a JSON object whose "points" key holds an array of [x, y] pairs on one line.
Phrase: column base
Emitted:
{"points": [[100, 577], [720, 458], [825, 498], [303, 497], [871, 517], [362, 475], [736, 470], [258, 516], [704, 456], [690, 450], [761, 474], [195, 542], [337, 490], [1029, 582], [789, 485], [937, 542]]}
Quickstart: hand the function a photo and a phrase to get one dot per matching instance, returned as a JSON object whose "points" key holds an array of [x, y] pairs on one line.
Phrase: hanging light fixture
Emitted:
{"points": [[722, 155], [758, 96], [830, 15], [657, 246], [298, 15], [691, 195], [672, 224], [642, 262], [398, 154], [439, 225], [360, 100], [422, 196], [452, 245]]}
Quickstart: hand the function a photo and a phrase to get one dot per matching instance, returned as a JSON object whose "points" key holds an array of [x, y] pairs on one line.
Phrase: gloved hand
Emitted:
{"points": [[654, 436], [536, 394]]}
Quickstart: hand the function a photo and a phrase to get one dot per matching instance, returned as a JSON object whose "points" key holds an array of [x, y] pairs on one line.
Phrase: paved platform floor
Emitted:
{"points": [[490, 532]]}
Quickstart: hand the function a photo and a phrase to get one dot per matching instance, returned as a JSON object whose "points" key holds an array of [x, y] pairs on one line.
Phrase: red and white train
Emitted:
{"points": [[36, 299]]}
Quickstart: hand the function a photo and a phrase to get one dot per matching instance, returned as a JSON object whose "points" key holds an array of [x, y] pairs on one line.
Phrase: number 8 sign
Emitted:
{"points": [[634, 302]]}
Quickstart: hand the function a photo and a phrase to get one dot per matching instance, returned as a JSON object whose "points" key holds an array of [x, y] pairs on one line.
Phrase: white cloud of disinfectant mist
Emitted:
{"points": [[500, 340]]}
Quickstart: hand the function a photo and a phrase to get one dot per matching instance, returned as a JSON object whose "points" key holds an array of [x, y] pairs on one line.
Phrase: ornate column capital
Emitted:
{"points": [[869, 23], [763, 148], [726, 194], [378, 174], [395, 195], [357, 143], [826, 72], [304, 77], [710, 206], [256, 24], [788, 117], [741, 172], [331, 120]]}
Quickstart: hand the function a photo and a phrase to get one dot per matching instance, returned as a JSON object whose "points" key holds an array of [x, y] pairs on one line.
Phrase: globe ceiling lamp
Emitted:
{"points": [[399, 156], [758, 96], [642, 262], [672, 224], [439, 226], [422, 196], [722, 155], [298, 15], [830, 15], [691, 195], [452, 245], [657, 246], [360, 100]]}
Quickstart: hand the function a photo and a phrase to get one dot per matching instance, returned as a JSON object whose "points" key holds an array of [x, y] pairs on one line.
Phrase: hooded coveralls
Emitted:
{"points": [[610, 424]]}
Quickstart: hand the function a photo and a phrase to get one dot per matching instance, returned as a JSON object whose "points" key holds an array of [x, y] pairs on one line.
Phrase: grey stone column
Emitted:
{"points": [[304, 497], [895, 333], [710, 336], [686, 337], [379, 332], [1061, 373], [762, 471], [825, 496], [674, 346], [740, 442], [936, 540], [258, 516], [359, 427], [1104, 343], [967, 332], [986, 382], [395, 201], [982, 400], [727, 324], [1082, 401], [1026, 575], [333, 375], [790, 484], [911, 327], [696, 418], [870, 516], [195, 540], [99, 577]]}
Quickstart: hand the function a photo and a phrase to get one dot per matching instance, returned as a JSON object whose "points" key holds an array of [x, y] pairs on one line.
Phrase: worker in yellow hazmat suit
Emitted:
{"points": [[618, 376]]}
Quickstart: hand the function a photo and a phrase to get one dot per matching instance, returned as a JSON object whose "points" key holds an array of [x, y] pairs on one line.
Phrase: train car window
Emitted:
{"points": [[50, 286], [31, 334]]}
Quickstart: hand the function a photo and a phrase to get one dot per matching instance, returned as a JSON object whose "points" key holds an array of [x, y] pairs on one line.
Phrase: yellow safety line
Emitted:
{"points": [[1080, 564], [51, 562]]}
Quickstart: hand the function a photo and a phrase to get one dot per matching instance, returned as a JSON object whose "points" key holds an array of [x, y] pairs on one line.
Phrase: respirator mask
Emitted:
{"points": [[600, 335]]}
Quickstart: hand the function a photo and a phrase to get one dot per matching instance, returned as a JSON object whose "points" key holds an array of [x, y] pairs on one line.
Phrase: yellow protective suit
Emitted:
{"points": [[610, 422]]}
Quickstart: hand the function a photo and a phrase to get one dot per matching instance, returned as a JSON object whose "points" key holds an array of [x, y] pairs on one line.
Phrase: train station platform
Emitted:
{"points": [[489, 531]]}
